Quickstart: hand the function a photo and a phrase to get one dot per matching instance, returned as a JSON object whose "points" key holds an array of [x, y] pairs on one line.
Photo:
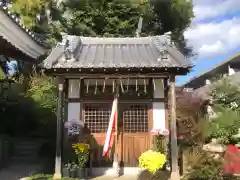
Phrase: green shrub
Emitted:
{"points": [[152, 161], [207, 168], [224, 126]]}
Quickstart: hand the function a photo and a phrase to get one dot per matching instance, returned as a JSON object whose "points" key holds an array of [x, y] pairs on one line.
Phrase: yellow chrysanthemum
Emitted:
{"points": [[151, 160]]}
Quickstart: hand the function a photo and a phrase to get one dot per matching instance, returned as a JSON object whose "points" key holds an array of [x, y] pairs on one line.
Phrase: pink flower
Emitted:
{"points": [[157, 132], [181, 137]]}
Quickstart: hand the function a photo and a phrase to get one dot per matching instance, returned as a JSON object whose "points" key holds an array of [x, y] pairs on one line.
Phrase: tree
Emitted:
{"points": [[110, 17], [28, 10], [190, 118]]}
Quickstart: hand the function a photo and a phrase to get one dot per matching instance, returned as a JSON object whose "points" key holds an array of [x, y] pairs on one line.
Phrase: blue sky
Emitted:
{"points": [[214, 34]]}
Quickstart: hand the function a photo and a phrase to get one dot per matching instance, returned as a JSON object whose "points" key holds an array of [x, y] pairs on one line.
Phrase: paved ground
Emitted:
{"points": [[18, 171], [115, 178]]}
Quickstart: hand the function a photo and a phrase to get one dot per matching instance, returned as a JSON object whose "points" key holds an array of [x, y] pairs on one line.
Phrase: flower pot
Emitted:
{"points": [[65, 172], [72, 173], [81, 173], [161, 174]]}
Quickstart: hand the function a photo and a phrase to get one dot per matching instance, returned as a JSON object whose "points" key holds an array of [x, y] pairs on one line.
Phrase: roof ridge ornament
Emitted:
{"points": [[64, 38], [168, 37], [71, 45], [163, 42]]}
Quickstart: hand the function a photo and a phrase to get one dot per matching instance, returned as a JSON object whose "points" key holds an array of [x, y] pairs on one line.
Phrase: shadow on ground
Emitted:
{"points": [[19, 170]]}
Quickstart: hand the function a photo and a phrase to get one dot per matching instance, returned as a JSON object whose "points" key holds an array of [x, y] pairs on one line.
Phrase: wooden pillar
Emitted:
{"points": [[173, 132], [116, 159], [166, 90], [59, 135]]}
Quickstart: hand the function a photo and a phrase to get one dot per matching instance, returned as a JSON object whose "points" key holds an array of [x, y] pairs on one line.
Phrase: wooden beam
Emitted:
{"points": [[159, 72], [59, 135], [173, 132]]}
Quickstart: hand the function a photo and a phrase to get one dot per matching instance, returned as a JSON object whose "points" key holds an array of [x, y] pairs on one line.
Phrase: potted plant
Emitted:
{"points": [[82, 157], [65, 170], [153, 164], [72, 170]]}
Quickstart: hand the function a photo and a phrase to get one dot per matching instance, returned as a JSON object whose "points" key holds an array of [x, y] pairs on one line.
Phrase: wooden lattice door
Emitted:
{"points": [[96, 118], [135, 133], [133, 127]]}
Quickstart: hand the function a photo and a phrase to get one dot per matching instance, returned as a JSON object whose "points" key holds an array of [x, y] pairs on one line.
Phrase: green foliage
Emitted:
{"points": [[2, 73], [42, 90], [101, 18], [32, 108], [174, 16], [17, 111], [82, 153], [71, 166], [160, 144], [226, 95], [28, 9], [152, 161], [110, 18], [207, 168], [226, 101], [224, 126]]}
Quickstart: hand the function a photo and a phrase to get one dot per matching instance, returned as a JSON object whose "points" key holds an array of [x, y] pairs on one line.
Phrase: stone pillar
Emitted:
{"points": [[173, 132], [59, 136]]}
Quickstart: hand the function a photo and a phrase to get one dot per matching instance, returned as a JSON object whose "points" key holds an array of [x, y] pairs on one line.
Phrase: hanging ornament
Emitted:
{"points": [[136, 84], [127, 84], [79, 84], [154, 85], [121, 86], [87, 86], [71, 86], [104, 84], [95, 91], [113, 86], [145, 86], [162, 84]]}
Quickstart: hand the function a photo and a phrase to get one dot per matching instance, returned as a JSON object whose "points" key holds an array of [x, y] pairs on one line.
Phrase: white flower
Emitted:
{"points": [[74, 126], [233, 105]]}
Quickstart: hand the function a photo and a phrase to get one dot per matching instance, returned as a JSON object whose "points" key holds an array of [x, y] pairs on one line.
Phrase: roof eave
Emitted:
{"points": [[209, 72], [21, 38]]}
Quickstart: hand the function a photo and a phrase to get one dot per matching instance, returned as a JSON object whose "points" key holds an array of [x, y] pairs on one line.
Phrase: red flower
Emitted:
{"points": [[232, 148]]}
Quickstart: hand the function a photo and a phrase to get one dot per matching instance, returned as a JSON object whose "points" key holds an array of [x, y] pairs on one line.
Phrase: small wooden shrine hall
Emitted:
{"points": [[141, 70]]}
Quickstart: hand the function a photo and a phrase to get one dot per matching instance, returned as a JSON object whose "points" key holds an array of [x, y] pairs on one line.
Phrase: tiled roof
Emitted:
{"points": [[95, 52], [17, 21], [18, 35]]}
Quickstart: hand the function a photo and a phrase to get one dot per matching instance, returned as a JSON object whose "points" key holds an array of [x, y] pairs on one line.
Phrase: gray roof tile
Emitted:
{"points": [[16, 20], [94, 52]]}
